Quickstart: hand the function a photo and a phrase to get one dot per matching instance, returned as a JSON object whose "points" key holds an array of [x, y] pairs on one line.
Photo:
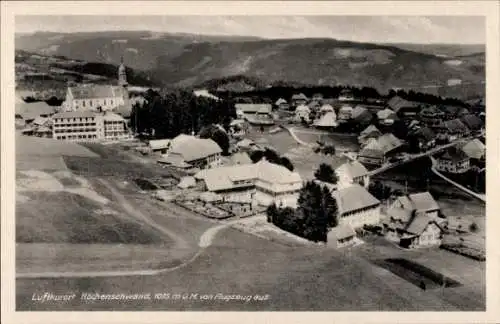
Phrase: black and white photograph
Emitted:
{"points": [[250, 163]]}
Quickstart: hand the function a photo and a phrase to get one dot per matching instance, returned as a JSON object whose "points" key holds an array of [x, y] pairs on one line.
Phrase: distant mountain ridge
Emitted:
{"points": [[187, 60]]}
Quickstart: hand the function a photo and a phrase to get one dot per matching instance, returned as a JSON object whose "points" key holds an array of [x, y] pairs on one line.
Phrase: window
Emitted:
{"points": [[83, 103]]}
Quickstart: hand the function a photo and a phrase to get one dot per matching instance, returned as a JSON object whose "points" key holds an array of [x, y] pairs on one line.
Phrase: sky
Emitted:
{"points": [[376, 29]]}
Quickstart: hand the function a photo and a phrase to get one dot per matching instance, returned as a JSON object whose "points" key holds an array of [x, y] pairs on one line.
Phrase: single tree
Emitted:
{"points": [[326, 173]]}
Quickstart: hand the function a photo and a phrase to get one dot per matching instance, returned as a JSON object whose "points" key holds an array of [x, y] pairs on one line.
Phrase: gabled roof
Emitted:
{"points": [[159, 144], [327, 120], [280, 101], [195, 148], [475, 149], [418, 224], [275, 173], [241, 158], [472, 121], [353, 198], [431, 110], [303, 108], [425, 133], [358, 111], [341, 232], [96, 92], [386, 114], [423, 202], [455, 126], [402, 215], [346, 108], [326, 108], [34, 109], [397, 103], [250, 108], [353, 169], [222, 178], [370, 130], [453, 154], [388, 142], [299, 96]]}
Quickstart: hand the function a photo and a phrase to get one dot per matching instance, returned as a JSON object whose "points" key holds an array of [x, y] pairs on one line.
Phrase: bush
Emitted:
{"points": [[473, 227]]}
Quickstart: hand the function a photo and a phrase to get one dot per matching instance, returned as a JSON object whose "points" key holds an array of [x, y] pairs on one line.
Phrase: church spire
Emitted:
{"points": [[122, 74]]}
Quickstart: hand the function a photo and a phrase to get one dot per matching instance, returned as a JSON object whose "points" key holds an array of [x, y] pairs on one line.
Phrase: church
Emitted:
{"points": [[95, 97]]}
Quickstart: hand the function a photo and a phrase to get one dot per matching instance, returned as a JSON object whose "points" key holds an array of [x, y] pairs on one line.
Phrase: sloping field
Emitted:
{"points": [[35, 153], [37, 146], [61, 217]]}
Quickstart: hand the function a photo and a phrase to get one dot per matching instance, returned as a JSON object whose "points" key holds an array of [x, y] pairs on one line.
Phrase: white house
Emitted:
{"points": [[159, 146], [453, 160], [341, 236], [352, 172], [302, 112], [422, 231], [262, 183], [187, 152], [356, 206]]}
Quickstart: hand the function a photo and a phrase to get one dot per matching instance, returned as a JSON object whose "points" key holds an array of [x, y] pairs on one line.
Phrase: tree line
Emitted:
{"points": [[169, 114]]}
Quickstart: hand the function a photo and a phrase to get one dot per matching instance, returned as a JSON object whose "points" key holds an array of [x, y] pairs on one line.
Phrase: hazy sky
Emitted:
{"points": [[408, 29]]}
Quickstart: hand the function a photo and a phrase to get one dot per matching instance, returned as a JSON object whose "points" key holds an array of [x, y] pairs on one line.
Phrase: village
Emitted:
{"points": [[396, 176]]}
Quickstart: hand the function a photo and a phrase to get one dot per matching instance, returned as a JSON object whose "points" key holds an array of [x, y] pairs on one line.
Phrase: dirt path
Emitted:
{"points": [[180, 242]]}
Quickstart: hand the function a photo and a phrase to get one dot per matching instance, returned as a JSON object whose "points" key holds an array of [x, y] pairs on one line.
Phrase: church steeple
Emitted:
{"points": [[122, 74]]}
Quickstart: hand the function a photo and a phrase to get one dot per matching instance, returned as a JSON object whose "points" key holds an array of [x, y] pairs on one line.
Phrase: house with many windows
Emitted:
{"points": [[453, 160], [263, 183], [78, 126]]}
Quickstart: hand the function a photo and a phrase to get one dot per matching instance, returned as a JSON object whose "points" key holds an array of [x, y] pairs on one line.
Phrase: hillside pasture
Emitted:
{"points": [[61, 217]]}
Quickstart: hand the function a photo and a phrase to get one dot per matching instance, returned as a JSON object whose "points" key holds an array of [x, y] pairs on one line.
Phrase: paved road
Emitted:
{"points": [[479, 196]]}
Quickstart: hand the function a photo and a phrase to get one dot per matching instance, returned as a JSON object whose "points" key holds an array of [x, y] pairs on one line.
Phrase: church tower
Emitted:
{"points": [[122, 74]]}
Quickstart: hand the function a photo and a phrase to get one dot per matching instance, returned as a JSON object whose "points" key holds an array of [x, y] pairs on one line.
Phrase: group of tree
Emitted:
{"points": [[271, 156], [170, 113], [315, 215], [326, 173]]}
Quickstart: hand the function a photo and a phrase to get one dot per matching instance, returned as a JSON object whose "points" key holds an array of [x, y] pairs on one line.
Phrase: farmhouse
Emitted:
{"points": [[237, 128], [421, 202], [453, 160], [298, 99], [341, 236], [386, 117], [421, 231], [361, 115], [326, 108], [302, 112], [455, 129], [257, 114], [159, 146], [474, 149], [187, 152], [352, 172], [356, 206], [472, 122], [262, 182], [241, 158], [403, 108], [327, 120], [375, 152], [346, 95], [30, 111], [282, 104], [431, 116], [345, 113], [425, 137], [368, 133]]}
